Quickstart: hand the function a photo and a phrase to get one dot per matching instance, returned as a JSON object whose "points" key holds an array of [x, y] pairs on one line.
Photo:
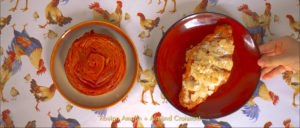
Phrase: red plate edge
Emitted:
{"points": [[159, 82]]}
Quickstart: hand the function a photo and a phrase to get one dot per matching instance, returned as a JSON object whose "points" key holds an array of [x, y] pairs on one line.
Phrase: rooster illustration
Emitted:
{"points": [[266, 19], [150, 2], [148, 83], [4, 21], [165, 4], [295, 85], [202, 6], [41, 93], [54, 15], [31, 124], [251, 21], [268, 124], [6, 72], [251, 109], [136, 123], [295, 25], [15, 7], [148, 24], [114, 124], [8, 122], [157, 122], [100, 112], [184, 125], [215, 124], [162, 29], [163, 98], [62, 122], [103, 15], [22, 44], [287, 123]]}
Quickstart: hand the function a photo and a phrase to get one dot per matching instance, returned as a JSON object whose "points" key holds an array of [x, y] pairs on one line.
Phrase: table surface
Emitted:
{"points": [[272, 105]]}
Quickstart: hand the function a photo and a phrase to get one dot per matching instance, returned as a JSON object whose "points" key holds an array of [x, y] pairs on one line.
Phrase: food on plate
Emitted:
{"points": [[95, 64], [208, 66]]}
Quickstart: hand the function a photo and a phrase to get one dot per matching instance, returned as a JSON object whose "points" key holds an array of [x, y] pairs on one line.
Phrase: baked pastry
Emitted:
{"points": [[208, 66]]}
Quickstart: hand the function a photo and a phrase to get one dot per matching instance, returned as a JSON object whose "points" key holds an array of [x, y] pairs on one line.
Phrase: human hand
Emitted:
{"points": [[278, 56]]}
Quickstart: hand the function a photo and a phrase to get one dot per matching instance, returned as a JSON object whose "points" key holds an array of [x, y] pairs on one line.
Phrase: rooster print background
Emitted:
{"points": [[30, 28]]}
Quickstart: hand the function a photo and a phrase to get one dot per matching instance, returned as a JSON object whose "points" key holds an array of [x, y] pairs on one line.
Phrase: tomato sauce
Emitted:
{"points": [[95, 64]]}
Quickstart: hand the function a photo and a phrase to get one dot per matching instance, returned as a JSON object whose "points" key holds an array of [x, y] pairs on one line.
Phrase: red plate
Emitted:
{"points": [[170, 58]]}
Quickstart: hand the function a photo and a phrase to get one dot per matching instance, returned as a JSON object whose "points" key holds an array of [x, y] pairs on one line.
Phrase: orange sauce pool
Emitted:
{"points": [[95, 64]]}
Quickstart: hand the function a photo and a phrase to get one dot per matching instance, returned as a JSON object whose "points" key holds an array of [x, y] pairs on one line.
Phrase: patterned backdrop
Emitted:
{"points": [[30, 29]]}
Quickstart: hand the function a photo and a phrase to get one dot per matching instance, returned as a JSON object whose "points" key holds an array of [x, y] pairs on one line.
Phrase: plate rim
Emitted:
{"points": [[84, 24], [163, 37]]}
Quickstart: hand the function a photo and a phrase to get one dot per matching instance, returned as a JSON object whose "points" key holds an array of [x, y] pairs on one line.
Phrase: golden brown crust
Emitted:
{"points": [[189, 104], [208, 67]]}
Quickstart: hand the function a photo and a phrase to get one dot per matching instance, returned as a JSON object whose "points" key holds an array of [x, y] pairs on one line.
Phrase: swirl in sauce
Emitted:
{"points": [[95, 64]]}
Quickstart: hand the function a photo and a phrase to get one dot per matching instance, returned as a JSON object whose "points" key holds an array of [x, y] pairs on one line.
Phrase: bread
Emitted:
{"points": [[208, 66]]}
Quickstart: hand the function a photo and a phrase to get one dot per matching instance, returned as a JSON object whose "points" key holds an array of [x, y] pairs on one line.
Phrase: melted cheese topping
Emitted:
{"points": [[208, 66]]}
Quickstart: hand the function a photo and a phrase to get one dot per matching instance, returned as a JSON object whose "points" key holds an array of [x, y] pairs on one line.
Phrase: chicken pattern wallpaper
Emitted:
{"points": [[29, 30], [16, 5], [285, 124]]}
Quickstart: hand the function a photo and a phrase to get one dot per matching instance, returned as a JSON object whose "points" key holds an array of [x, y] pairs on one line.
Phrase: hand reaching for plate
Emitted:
{"points": [[278, 56]]}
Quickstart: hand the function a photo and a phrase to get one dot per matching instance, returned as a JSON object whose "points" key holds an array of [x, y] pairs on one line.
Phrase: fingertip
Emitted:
{"points": [[275, 72], [276, 60], [261, 62], [266, 77], [268, 47], [263, 76], [265, 48], [262, 46], [264, 71]]}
